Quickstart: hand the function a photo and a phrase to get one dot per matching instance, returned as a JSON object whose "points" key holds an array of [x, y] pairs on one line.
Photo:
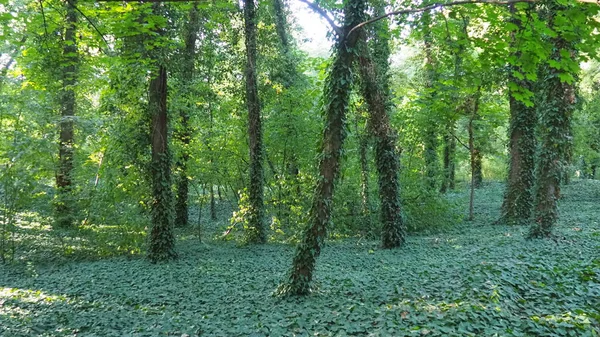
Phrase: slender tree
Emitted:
{"points": [[257, 232], [430, 131], [69, 64], [184, 132]]}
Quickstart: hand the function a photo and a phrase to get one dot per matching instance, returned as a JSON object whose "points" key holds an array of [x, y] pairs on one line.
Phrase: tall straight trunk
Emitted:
{"points": [[162, 239], [64, 176], [363, 147], [184, 134], [257, 232], [555, 110], [518, 197], [449, 160], [430, 141], [386, 157], [477, 166], [473, 105], [337, 94]]}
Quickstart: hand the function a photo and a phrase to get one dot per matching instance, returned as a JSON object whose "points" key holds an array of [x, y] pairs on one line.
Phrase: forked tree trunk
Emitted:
{"points": [[257, 232], [184, 134], [64, 176]]}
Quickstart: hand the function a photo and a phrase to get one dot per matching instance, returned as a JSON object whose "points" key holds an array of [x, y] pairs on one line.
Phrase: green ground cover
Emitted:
{"points": [[474, 280]]}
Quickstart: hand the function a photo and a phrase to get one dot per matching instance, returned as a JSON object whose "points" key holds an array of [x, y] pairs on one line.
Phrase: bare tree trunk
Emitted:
{"points": [[258, 233], [64, 177]]}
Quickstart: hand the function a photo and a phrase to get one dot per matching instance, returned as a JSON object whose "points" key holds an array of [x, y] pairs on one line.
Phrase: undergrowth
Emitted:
{"points": [[475, 279]]}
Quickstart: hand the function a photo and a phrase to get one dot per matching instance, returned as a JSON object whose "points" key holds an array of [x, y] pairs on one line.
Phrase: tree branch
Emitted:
{"points": [[440, 5], [93, 25], [324, 15]]}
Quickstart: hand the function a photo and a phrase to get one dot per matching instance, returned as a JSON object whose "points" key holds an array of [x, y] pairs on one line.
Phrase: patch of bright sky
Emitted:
{"points": [[312, 38]]}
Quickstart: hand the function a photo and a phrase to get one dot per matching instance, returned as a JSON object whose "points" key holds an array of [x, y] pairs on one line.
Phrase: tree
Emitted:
{"points": [[64, 179], [375, 88], [257, 233], [184, 134], [162, 239], [336, 98], [518, 197]]}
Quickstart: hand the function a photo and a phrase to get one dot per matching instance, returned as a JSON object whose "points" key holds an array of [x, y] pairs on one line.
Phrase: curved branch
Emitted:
{"points": [[324, 15], [437, 5]]}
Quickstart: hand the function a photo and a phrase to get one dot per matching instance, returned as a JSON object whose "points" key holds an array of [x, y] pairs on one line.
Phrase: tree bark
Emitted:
{"points": [[184, 134], [64, 177], [257, 232]]}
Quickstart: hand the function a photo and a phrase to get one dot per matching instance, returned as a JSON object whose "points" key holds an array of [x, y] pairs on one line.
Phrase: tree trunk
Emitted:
{"points": [[473, 105], [337, 94], [377, 97], [64, 177], [257, 232], [518, 197], [162, 240], [555, 110], [363, 146], [184, 134], [213, 208], [430, 130], [449, 160]]}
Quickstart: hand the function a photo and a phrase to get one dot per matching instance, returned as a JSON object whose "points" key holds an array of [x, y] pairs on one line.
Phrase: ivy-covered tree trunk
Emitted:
{"points": [[184, 133], [162, 240], [518, 196], [257, 232], [555, 110], [376, 93], [64, 176], [337, 94]]}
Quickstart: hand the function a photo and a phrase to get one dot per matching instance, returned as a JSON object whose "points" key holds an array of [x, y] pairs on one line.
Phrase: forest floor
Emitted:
{"points": [[474, 280]]}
